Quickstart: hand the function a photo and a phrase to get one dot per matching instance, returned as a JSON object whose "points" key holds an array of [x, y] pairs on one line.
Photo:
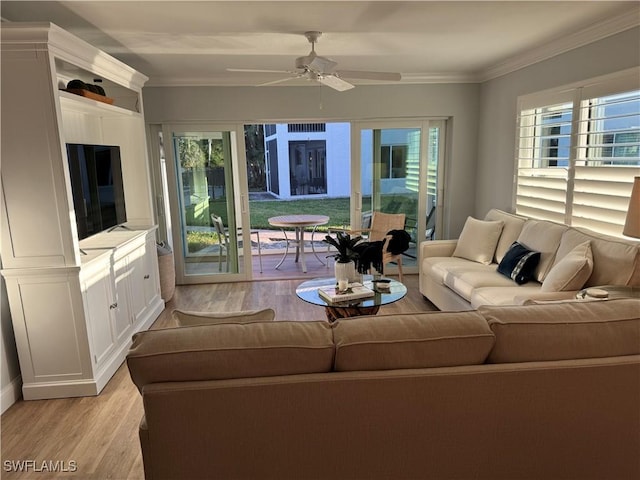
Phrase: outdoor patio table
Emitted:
{"points": [[298, 223]]}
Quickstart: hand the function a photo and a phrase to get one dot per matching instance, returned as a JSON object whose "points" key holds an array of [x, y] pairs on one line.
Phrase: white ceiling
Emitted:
{"points": [[194, 42]]}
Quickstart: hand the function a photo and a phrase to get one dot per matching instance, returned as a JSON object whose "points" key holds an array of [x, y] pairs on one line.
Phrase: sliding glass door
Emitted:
{"points": [[207, 204], [397, 169]]}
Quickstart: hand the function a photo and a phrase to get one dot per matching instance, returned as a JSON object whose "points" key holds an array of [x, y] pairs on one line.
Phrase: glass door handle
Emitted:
{"points": [[244, 204]]}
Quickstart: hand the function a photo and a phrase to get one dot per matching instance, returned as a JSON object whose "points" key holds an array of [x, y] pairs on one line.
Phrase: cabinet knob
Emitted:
{"points": [[113, 305], [146, 277]]}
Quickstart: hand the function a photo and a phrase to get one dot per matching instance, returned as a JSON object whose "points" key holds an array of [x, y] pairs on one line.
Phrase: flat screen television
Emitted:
{"points": [[96, 184]]}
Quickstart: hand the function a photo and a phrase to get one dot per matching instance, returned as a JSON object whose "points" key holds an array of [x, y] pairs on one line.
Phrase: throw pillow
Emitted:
{"points": [[571, 272], [519, 263], [189, 319], [478, 240]]}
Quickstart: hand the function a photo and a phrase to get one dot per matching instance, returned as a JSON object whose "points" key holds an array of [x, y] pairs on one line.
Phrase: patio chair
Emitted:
{"points": [[381, 224], [224, 240], [430, 232]]}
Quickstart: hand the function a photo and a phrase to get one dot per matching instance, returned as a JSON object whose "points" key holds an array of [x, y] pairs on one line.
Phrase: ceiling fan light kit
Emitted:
{"points": [[323, 70]]}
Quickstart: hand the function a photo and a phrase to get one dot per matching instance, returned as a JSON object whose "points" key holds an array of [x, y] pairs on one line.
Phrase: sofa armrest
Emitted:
{"points": [[437, 248], [542, 297]]}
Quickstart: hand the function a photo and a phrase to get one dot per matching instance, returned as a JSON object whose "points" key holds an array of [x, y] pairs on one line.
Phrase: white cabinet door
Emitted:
{"points": [[138, 272], [152, 274], [99, 305], [123, 316]]}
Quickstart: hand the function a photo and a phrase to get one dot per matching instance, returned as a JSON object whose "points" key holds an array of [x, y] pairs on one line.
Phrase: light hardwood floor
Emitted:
{"points": [[100, 434]]}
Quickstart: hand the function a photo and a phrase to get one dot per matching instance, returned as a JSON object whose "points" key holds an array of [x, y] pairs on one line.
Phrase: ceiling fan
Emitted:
{"points": [[321, 69]]}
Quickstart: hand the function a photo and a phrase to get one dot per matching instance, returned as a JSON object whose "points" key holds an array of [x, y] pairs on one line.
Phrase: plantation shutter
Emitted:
{"points": [[578, 151], [608, 158], [543, 161]]}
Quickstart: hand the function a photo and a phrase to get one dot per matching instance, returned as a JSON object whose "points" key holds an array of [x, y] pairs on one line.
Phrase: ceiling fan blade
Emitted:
{"points": [[384, 76], [322, 65], [275, 82], [335, 83]]}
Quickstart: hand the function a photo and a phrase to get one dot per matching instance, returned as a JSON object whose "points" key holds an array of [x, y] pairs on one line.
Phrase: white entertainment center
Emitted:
{"points": [[74, 303]]}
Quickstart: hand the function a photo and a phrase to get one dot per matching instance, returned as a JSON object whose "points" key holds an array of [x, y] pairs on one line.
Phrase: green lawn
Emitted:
{"points": [[336, 208]]}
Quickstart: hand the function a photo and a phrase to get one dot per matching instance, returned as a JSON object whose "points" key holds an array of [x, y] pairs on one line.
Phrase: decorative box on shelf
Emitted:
{"points": [[88, 94]]}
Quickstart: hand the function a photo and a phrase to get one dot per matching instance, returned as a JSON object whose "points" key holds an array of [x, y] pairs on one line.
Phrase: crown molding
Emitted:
{"points": [[443, 77], [625, 20], [407, 79]]}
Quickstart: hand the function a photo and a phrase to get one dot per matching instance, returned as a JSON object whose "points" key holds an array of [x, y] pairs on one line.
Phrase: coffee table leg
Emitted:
{"points": [[336, 313]]}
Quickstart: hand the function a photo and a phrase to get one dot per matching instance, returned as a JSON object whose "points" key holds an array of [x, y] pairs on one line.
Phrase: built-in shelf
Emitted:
{"points": [[77, 103], [74, 303]]}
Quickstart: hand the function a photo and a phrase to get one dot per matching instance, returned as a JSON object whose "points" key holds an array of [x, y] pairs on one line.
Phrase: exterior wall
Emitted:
{"points": [[338, 145], [338, 141], [494, 186]]}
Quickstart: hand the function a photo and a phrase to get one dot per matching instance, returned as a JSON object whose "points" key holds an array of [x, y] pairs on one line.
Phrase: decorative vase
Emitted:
{"points": [[346, 271]]}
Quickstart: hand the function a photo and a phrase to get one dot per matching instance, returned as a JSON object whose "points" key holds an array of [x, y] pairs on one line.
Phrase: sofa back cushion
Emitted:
{"points": [[616, 261], [564, 331], [232, 350], [510, 231], [544, 237], [478, 240], [186, 318], [419, 340]]}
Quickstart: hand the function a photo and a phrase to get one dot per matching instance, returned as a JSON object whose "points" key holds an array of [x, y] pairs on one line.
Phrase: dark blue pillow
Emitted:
{"points": [[519, 263]]}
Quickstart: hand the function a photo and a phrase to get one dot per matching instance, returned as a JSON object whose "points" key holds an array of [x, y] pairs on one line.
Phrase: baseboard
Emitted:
{"points": [[11, 394]]}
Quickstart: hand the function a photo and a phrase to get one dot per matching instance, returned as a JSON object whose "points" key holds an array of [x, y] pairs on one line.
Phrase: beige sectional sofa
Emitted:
{"points": [[456, 276], [523, 392]]}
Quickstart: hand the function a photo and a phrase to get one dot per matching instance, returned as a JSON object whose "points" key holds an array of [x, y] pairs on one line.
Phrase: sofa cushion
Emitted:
{"points": [[464, 280], [419, 340], [544, 237], [616, 261], [189, 318], [478, 240], [437, 268], [512, 295], [563, 331], [571, 272], [512, 227], [222, 351], [519, 263]]}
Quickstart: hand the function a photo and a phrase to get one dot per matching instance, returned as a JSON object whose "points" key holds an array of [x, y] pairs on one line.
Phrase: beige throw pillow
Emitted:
{"points": [[544, 237], [189, 319], [571, 272], [478, 240]]}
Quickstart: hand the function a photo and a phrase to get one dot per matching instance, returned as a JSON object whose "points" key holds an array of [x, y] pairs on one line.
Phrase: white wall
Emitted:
{"points": [[497, 122], [279, 103]]}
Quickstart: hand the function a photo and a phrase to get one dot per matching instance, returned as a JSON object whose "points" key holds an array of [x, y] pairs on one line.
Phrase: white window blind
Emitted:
{"points": [[577, 156], [543, 161], [607, 159]]}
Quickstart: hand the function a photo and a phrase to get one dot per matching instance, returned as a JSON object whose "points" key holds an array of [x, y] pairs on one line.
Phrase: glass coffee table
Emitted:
{"points": [[308, 291]]}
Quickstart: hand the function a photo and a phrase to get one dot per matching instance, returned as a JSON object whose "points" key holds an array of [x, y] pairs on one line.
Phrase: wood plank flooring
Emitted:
{"points": [[100, 434]]}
